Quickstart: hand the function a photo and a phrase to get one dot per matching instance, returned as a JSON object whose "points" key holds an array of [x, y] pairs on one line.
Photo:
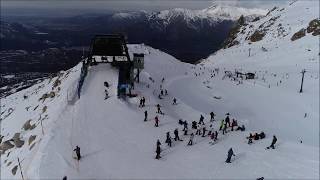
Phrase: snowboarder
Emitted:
{"points": [[174, 101], [168, 139], [156, 120], [145, 115], [212, 116], [191, 139], [230, 154], [228, 120], [158, 150], [274, 140], [77, 150], [176, 135], [221, 124], [201, 120], [159, 109]]}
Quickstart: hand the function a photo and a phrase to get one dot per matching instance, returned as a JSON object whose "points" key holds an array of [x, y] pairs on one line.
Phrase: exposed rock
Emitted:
{"points": [[17, 141], [1, 137], [298, 34], [6, 145], [257, 36], [9, 163], [32, 146], [31, 139], [27, 125], [52, 94], [44, 109], [313, 26], [56, 83], [316, 32], [14, 169]]}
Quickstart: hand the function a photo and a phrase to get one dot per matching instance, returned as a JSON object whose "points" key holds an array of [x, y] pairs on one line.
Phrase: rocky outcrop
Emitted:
{"points": [[301, 33], [257, 36], [314, 27]]}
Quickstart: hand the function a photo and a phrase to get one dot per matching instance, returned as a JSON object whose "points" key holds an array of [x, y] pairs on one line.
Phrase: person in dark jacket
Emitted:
{"points": [[274, 140], [159, 109], [212, 116], [262, 135], [230, 154], [201, 120], [168, 139], [158, 150], [227, 120], [250, 141], [256, 136], [77, 150], [174, 101], [185, 128], [176, 135], [156, 120], [145, 115]]}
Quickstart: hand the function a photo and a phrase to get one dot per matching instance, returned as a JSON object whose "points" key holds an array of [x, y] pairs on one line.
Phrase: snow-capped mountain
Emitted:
{"points": [[42, 125]]}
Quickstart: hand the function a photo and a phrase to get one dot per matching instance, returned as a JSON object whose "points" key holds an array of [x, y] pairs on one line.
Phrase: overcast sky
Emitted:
{"points": [[72, 7]]}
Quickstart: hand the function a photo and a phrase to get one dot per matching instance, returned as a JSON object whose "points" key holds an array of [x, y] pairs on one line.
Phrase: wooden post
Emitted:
{"points": [[303, 71], [138, 76], [20, 169], [249, 51]]}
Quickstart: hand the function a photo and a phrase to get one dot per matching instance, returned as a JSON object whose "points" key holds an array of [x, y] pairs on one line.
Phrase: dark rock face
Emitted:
{"points": [[301, 33], [314, 27], [257, 36]]}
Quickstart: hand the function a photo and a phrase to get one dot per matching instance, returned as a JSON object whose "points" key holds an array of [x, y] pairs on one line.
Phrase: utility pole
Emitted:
{"points": [[303, 71]]}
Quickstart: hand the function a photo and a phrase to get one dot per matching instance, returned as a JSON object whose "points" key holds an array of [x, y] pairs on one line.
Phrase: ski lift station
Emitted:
{"points": [[112, 48]]}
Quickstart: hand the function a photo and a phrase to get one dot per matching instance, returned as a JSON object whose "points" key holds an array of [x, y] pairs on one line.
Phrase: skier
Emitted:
{"points": [[156, 120], [224, 129], [228, 120], [174, 101], [143, 101], [77, 150], [106, 84], [233, 124], [159, 109], [250, 141], [230, 154], [201, 120], [176, 135], [185, 127], [145, 115], [162, 80], [158, 150], [212, 116], [194, 125], [168, 140], [274, 140], [107, 94], [210, 130], [216, 136], [198, 129], [191, 139], [161, 92], [221, 124], [140, 104], [203, 130], [165, 92]]}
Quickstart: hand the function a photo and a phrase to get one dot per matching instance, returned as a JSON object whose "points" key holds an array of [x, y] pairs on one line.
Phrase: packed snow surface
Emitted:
{"points": [[116, 143]]}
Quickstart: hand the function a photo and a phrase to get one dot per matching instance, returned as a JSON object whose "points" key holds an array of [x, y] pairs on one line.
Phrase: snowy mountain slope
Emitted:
{"points": [[278, 61], [116, 143]]}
